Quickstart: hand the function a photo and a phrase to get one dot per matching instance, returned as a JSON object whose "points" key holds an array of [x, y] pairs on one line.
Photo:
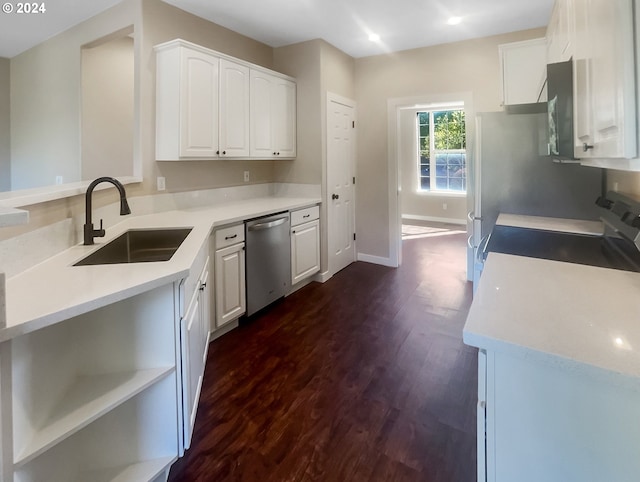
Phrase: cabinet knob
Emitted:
{"points": [[218, 153], [586, 147], [335, 196], [275, 153], [224, 152]]}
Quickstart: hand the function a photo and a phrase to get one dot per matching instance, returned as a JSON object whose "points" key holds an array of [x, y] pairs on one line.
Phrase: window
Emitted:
{"points": [[442, 156]]}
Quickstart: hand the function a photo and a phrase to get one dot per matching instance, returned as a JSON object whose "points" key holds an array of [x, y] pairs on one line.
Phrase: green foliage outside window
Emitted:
{"points": [[448, 172]]}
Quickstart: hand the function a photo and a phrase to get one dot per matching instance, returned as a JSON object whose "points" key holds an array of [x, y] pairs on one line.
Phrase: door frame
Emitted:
{"points": [[394, 106], [338, 99]]}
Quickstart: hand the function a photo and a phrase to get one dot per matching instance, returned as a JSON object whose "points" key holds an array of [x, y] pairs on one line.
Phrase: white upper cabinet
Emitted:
{"points": [[210, 106], [523, 71], [560, 32], [186, 104], [234, 109], [273, 116], [604, 80]]}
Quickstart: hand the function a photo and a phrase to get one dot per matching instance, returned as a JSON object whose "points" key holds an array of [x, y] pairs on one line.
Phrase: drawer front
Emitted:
{"points": [[230, 235], [305, 215]]}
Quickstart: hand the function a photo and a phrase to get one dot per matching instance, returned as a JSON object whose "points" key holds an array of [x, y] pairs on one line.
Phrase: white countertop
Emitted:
{"points": [[577, 226], [567, 313], [56, 290]]}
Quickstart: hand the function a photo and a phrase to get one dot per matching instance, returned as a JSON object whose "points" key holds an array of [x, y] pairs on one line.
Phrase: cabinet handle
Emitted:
{"points": [[203, 286], [230, 237], [306, 216], [335, 196], [586, 147]]}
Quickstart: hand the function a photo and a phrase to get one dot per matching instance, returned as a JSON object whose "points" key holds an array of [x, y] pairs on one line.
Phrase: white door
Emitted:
{"points": [[340, 169], [234, 109], [192, 365], [199, 105], [284, 117], [305, 251], [230, 284]]}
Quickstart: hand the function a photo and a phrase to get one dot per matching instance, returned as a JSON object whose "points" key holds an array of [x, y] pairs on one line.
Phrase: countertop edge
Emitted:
{"points": [[198, 217]]}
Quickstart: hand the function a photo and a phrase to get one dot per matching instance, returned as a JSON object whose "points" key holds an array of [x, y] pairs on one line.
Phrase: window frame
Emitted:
{"points": [[433, 190]]}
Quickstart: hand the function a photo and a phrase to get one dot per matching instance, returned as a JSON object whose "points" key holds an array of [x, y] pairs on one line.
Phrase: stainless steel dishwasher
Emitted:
{"points": [[268, 251]]}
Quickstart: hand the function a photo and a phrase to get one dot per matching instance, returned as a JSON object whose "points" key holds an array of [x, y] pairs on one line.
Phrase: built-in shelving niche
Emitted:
{"points": [[95, 397]]}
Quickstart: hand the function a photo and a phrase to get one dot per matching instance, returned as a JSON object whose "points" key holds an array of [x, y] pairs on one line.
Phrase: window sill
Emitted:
{"points": [[422, 192]]}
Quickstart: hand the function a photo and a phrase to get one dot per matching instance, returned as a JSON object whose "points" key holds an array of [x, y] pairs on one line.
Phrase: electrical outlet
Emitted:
{"points": [[161, 183], [246, 176], [615, 186], [59, 180], [444, 206]]}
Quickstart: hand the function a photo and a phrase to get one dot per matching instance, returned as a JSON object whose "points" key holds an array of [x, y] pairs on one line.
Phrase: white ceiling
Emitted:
{"points": [[346, 24]]}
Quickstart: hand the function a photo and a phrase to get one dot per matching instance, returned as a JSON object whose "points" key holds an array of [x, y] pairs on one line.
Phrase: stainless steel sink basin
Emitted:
{"points": [[138, 246]]}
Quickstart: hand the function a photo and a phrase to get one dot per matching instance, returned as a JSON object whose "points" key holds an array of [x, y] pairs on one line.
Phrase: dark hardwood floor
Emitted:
{"points": [[362, 378]]}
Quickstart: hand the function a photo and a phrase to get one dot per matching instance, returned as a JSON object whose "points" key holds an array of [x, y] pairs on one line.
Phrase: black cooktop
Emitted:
{"points": [[605, 252]]}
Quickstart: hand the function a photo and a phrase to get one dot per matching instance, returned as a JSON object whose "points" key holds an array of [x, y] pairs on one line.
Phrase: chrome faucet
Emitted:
{"points": [[89, 232]]}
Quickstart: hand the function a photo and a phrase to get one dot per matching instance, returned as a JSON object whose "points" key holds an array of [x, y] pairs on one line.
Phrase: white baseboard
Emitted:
{"points": [[416, 217], [367, 258], [322, 277]]}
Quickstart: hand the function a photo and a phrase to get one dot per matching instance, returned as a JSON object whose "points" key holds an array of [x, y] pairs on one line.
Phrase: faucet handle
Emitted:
{"points": [[99, 233]]}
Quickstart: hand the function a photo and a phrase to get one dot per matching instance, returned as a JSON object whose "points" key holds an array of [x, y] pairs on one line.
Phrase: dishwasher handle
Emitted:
{"points": [[267, 225]]}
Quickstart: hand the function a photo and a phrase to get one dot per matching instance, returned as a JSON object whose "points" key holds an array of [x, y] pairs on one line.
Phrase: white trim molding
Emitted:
{"points": [[416, 217], [368, 258]]}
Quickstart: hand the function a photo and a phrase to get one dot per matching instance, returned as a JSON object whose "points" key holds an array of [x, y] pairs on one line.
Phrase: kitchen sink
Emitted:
{"points": [[138, 246]]}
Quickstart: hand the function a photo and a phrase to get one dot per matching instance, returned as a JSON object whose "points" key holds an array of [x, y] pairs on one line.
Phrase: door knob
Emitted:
{"points": [[335, 196]]}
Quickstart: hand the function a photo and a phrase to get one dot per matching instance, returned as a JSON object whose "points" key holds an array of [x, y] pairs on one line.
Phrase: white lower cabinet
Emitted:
{"points": [[555, 420], [230, 285], [194, 334], [94, 397], [305, 243]]}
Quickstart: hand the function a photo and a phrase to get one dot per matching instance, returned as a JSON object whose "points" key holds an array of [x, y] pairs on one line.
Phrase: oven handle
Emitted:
{"points": [[469, 243]]}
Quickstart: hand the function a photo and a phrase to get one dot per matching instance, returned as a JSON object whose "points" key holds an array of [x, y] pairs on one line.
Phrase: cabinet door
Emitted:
{"points": [[305, 251], [284, 117], [230, 284], [234, 109], [198, 104], [560, 32], [605, 106], [192, 365], [261, 117], [524, 71]]}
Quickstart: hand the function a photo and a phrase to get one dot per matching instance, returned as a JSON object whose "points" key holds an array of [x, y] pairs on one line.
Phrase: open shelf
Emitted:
{"points": [[145, 471], [87, 400]]}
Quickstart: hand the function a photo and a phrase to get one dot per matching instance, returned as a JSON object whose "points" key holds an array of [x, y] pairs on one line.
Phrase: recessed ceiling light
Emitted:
{"points": [[454, 20], [374, 37]]}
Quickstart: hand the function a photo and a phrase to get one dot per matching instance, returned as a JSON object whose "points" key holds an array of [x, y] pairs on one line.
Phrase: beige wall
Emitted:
{"points": [[628, 182], [470, 66], [5, 130], [107, 109], [45, 100], [155, 22], [414, 202], [163, 22], [319, 68], [303, 61]]}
